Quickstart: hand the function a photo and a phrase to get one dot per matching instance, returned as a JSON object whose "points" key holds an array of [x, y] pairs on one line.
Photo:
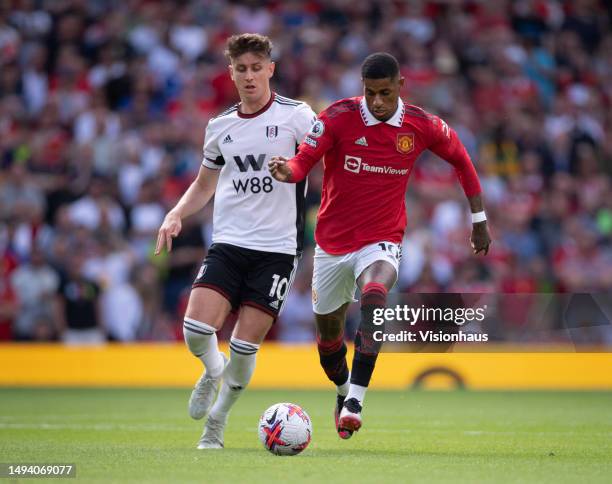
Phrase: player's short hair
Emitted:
{"points": [[242, 43], [380, 65]]}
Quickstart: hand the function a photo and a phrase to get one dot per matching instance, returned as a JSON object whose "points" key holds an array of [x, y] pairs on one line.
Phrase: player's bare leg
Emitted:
{"points": [[375, 282], [250, 330], [332, 355], [206, 312]]}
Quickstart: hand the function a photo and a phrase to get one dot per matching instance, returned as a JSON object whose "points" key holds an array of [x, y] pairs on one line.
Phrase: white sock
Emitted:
{"points": [[344, 388], [358, 392], [202, 342], [237, 376]]}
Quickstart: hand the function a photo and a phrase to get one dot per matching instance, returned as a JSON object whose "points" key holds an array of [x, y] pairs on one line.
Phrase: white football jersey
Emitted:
{"points": [[252, 209]]}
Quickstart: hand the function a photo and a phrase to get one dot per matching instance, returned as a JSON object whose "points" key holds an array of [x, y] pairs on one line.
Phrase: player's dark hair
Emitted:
{"points": [[380, 65], [243, 43]]}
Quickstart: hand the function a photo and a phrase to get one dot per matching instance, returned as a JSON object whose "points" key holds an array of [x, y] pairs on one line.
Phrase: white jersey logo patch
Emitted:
{"points": [[271, 132]]}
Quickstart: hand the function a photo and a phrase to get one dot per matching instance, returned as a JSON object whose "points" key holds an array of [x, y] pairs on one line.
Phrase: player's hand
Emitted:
{"points": [[480, 239], [279, 169], [169, 229]]}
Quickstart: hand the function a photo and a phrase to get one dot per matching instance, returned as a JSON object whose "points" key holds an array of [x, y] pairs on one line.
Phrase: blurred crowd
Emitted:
{"points": [[104, 103]]}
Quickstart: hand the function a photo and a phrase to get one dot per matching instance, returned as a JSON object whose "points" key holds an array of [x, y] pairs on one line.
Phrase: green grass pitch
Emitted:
{"points": [[146, 435]]}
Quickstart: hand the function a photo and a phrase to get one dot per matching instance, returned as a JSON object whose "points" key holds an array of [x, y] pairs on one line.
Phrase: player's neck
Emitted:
{"points": [[252, 107]]}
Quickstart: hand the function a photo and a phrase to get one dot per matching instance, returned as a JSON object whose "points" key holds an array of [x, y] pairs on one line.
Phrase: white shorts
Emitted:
{"points": [[334, 277]]}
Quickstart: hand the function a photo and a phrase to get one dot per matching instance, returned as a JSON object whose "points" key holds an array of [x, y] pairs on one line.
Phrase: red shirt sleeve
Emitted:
{"points": [[318, 141], [445, 143]]}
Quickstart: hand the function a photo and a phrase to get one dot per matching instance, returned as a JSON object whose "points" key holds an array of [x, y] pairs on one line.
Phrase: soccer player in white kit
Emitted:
{"points": [[258, 226]]}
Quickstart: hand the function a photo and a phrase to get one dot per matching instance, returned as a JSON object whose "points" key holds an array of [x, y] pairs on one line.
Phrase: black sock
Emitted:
{"points": [[332, 355], [374, 297]]}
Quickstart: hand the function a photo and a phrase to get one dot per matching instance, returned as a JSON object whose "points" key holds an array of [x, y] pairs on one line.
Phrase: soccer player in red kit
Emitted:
{"points": [[369, 144]]}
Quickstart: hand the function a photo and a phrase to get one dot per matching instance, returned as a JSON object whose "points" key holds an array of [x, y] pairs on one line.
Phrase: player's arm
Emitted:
{"points": [[316, 143], [480, 238], [194, 199], [281, 170], [447, 145]]}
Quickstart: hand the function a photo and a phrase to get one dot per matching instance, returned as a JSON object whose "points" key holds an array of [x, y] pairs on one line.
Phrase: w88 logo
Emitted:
{"points": [[254, 185]]}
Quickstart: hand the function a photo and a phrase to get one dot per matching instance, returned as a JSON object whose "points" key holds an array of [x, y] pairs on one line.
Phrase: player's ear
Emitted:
{"points": [[271, 68], [231, 71], [401, 82]]}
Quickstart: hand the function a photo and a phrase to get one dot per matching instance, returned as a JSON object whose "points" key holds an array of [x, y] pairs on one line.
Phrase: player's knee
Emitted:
{"points": [[254, 334], [374, 294], [330, 331], [330, 334], [331, 345], [207, 305], [330, 327], [380, 272], [198, 336], [253, 325]]}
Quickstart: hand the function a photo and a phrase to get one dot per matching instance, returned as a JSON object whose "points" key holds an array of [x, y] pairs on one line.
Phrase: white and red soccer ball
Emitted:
{"points": [[285, 429]]}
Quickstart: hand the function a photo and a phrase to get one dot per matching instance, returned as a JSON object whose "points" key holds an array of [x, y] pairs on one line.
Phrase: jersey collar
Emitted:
{"points": [[261, 111], [369, 120]]}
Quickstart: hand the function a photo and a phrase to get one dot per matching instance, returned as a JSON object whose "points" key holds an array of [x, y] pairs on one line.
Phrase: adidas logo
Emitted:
{"points": [[361, 141], [274, 304], [227, 139]]}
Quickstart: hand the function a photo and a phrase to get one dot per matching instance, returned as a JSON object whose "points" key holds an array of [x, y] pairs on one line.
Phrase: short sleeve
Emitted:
{"points": [[213, 158], [302, 121]]}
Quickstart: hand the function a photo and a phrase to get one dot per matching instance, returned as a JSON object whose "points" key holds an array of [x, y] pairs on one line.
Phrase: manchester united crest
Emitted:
{"points": [[405, 143]]}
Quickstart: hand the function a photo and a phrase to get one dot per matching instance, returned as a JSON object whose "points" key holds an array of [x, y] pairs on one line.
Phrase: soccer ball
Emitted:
{"points": [[285, 429]]}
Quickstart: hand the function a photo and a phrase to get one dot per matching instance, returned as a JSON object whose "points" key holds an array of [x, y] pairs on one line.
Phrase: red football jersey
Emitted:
{"points": [[367, 164]]}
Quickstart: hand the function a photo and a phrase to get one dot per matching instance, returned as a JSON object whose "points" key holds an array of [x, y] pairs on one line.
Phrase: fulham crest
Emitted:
{"points": [[271, 132]]}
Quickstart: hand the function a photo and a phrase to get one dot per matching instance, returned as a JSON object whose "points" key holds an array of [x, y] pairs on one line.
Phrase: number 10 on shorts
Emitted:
{"points": [[279, 287], [394, 250]]}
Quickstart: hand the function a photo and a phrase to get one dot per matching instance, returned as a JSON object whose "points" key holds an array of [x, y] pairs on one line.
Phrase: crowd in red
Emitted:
{"points": [[103, 107]]}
